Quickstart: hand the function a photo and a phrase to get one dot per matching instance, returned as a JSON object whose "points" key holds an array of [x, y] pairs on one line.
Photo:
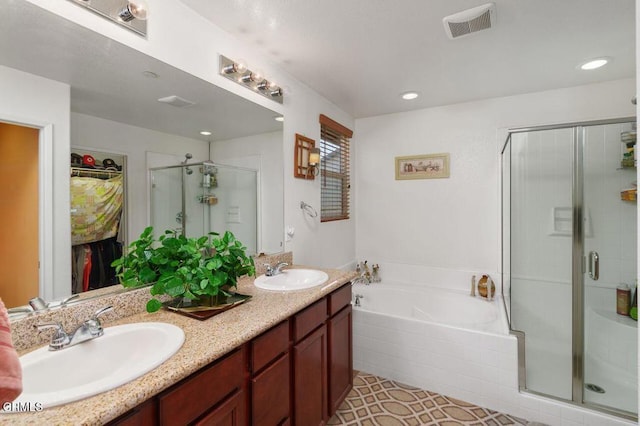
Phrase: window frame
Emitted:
{"points": [[337, 135]]}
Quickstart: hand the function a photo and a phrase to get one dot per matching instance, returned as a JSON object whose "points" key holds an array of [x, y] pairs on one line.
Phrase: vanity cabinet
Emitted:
{"points": [[296, 373], [271, 377], [340, 347], [310, 365], [212, 396], [322, 358]]}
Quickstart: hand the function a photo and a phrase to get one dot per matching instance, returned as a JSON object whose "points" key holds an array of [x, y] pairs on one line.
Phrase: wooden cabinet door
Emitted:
{"points": [[271, 396], [310, 379], [144, 414], [339, 333], [232, 412]]}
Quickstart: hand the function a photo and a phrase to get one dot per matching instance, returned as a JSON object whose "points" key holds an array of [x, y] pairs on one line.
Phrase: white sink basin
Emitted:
{"points": [[292, 279], [122, 354]]}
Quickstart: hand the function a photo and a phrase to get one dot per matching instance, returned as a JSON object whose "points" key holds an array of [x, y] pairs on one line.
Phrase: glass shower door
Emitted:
{"points": [[610, 339], [166, 204], [572, 241], [541, 244]]}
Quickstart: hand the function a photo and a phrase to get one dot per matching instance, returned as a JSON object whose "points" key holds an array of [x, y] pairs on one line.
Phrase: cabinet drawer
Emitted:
{"points": [[197, 394], [269, 345], [339, 299], [309, 319]]}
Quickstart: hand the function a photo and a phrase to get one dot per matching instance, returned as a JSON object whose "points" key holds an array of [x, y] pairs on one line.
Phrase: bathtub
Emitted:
{"points": [[436, 339], [450, 308]]}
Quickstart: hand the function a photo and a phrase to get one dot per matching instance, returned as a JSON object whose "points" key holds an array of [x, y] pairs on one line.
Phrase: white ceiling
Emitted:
{"points": [[362, 54], [107, 80]]}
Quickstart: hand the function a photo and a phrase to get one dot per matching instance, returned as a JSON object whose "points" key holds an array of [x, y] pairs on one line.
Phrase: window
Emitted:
{"points": [[334, 170]]}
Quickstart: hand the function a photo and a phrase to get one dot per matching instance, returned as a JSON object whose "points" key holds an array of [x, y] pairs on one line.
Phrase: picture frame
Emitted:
{"points": [[426, 166]]}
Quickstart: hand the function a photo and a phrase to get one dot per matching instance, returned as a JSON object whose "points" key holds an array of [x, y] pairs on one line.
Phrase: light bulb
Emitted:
{"points": [[314, 156], [137, 9], [257, 76]]}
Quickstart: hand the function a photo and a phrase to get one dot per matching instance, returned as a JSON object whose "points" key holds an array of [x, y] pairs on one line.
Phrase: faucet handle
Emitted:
{"points": [[69, 299], [102, 311], [59, 339], [280, 265], [38, 304], [94, 325], [268, 269]]}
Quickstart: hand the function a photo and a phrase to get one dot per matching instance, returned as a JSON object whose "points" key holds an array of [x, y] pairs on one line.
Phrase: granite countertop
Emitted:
{"points": [[205, 341]]}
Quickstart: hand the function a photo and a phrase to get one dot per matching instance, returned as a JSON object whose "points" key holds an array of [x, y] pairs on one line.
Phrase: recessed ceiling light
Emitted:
{"points": [[409, 95], [205, 133], [595, 63], [279, 118], [150, 74]]}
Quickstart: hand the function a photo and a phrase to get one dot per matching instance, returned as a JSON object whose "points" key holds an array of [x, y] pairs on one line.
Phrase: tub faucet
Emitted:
{"points": [[271, 271], [88, 330], [362, 279]]}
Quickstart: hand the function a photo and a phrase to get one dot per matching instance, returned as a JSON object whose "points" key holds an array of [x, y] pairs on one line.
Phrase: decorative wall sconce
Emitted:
{"points": [[302, 158], [254, 80], [314, 161], [131, 14]]}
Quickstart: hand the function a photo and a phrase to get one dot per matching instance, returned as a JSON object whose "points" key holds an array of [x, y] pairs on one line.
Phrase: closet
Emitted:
{"points": [[97, 220]]}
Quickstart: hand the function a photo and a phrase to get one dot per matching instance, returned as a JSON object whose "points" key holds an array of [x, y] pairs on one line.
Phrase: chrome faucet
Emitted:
{"points": [[362, 279], [358, 297], [88, 330], [38, 304], [271, 271]]}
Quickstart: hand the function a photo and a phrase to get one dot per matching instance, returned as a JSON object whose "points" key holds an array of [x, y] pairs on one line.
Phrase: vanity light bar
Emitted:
{"points": [[253, 80], [130, 14]]}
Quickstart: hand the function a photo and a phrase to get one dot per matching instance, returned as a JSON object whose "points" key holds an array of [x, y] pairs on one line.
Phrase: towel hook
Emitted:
{"points": [[308, 209]]}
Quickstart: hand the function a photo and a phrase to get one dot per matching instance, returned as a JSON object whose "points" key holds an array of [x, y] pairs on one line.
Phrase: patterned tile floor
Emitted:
{"points": [[375, 401]]}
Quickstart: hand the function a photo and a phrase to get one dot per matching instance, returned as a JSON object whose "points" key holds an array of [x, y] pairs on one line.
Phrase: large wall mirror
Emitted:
{"points": [[114, 112]]}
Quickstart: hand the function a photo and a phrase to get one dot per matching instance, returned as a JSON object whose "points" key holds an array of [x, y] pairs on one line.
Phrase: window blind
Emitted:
{"points": [[334, 169]]}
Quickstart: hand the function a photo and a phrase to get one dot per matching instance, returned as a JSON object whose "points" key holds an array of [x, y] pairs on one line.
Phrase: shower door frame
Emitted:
{"points": [[578, 266]]}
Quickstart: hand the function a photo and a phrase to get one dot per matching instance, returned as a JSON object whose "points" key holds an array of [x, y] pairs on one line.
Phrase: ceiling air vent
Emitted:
{"points": [[470, 20]]}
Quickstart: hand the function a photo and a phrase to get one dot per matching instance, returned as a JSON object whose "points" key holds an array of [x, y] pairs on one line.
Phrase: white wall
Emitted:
{"points": [[452, 225], [264, 153], [171, 27], [134, 142], [38, 102]]}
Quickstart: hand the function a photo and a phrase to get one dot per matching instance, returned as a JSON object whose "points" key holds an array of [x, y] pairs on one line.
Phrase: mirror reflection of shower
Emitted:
{"points": [[194, 199]]}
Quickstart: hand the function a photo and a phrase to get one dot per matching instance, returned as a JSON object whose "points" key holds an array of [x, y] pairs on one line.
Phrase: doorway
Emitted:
{"points": [[19, 213]]}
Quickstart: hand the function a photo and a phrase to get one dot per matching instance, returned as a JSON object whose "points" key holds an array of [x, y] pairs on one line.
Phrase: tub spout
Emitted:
{"points": [[358, 297]]}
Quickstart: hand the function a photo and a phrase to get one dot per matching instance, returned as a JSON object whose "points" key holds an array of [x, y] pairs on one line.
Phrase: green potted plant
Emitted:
{"points": [[200, 269]]}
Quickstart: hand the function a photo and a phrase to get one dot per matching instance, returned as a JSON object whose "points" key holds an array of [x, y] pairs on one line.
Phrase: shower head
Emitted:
{"points": [[187, 157]]}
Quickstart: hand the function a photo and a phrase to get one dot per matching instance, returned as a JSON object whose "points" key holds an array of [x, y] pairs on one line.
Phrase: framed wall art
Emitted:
{"points": [[427, 166]]}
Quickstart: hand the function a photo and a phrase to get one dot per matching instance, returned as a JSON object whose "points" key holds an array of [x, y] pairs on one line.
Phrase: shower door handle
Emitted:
{"points": [[594, 265]]}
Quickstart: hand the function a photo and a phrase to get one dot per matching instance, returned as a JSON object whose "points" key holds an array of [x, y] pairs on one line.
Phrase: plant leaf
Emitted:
{"points": [[153, 305]]}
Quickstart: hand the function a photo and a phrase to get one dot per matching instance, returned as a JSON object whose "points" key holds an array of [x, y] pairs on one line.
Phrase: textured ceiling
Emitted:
{"points": [[362, 54], [107, 80]]}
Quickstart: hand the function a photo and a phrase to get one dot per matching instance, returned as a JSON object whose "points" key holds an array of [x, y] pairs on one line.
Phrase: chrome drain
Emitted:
{"points": [[594, 388]]}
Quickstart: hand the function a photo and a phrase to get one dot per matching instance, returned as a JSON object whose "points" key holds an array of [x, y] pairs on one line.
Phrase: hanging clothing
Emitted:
{"points": [[96, 206], [91, 265]]}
